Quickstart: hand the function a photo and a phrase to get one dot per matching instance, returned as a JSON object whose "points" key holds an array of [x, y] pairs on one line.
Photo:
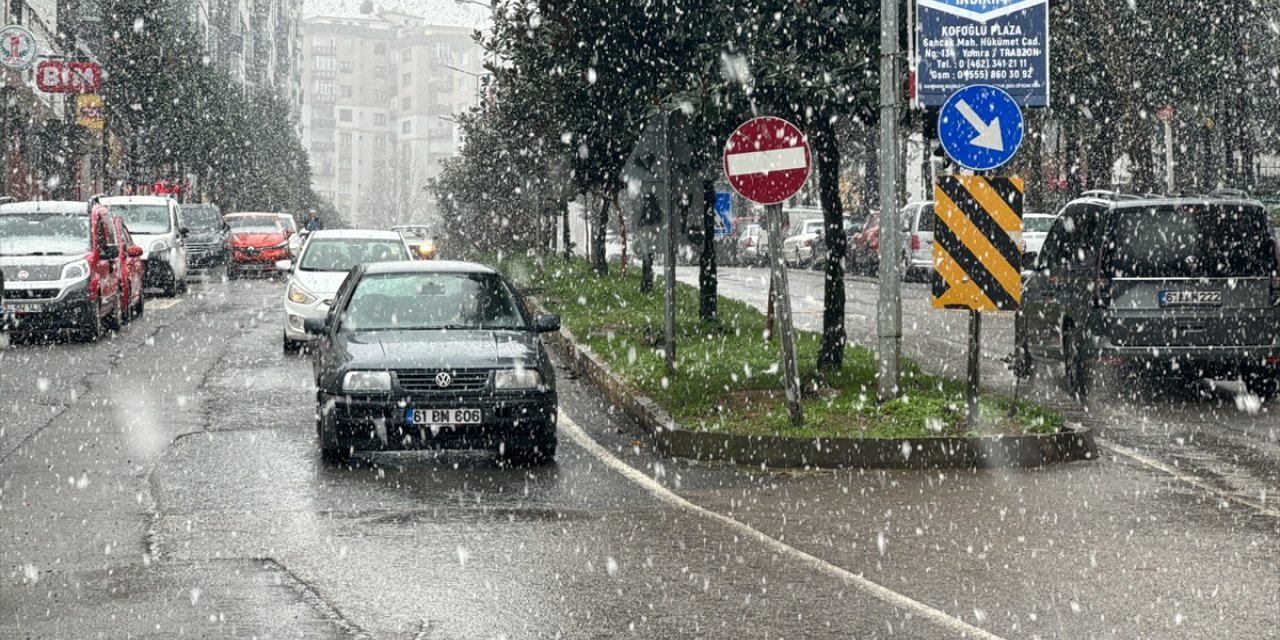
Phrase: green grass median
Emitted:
{"points": [[728, 378]]}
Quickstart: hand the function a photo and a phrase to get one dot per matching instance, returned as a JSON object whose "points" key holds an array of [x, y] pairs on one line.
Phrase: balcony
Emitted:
{"points": [[324, 123], [324, 50]]}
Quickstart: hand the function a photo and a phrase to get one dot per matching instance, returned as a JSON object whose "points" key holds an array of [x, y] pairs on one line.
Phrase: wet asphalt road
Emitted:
{"points": [[164, 483]]}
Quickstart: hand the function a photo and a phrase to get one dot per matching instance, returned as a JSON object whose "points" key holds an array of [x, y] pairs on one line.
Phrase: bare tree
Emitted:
{"points": [[399, 193]]}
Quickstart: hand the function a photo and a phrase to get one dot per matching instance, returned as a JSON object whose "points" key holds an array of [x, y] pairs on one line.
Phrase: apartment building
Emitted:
{"points": [[379, 91]]}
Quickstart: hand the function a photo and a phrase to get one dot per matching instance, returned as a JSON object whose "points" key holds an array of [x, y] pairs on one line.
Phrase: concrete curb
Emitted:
{"points": [[781, 452]]}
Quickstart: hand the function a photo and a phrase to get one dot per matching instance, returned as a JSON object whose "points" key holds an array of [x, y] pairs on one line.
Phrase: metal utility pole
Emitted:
{"points": [[889, 309]]}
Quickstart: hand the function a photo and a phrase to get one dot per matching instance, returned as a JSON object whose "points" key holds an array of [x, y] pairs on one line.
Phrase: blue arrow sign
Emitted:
{"points": [[980, 127]]}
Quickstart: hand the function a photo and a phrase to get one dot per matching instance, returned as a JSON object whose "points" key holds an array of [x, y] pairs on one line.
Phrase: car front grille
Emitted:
{"points": [[425, 380], [30, 294]]}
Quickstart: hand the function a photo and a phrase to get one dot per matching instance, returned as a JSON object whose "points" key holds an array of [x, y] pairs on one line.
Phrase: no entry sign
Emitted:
{"points": [[767, 160]]}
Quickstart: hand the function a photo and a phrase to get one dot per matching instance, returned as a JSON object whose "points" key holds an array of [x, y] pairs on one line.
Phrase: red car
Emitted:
{"points": [[60, 262], [130, 269], [258, 241]]}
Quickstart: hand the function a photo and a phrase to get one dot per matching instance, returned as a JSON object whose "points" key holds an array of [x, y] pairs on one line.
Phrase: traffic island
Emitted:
{"points": [[724, 400]]}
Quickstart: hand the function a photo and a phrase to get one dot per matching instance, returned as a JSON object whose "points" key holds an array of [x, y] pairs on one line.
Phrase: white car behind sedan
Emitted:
{"points": [[320, 269]]}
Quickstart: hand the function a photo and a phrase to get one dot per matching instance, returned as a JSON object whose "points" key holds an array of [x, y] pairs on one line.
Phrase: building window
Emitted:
{"points": [[344, 91], [344, 115], [444, 52], [344, 140], [406, 55], [344, 164], [380, 96], [325, 64], [406, 127], [380, 119], [324, 88], [406, 79], [346, 66], [406, 103]]}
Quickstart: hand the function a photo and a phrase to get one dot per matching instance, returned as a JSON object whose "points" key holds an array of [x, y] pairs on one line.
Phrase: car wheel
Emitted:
{"points": [[1262, 382], [525, 456], [115, 320], [171, 285], [139, 307], [291, 346], [93, 330], [1079, 371]]}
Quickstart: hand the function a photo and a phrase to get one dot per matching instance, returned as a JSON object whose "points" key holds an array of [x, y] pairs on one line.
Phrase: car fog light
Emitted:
{"points": [[295, 321]]}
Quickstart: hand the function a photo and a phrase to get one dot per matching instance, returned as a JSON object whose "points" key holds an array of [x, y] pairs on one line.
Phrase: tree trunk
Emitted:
{"points": [[565, 233], [622, 234], [646, 273], [599, 260], [831, 353], [707, 278]]}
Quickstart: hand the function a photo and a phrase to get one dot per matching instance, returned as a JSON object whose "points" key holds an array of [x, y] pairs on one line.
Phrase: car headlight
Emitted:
{"points": [[76, 271], [517, 379], [366, 381], [298, 295]]}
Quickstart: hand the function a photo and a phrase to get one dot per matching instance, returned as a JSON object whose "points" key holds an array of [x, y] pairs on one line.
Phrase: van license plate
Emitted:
{"points": [[1169, 298], [430, 417]]}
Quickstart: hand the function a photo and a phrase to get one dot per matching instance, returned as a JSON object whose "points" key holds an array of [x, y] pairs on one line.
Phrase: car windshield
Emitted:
{"points": [[143, 218], [25, 234], [200, 217], [340, 254], [255, 224], [1037, 224], [1210, 241], [408, 301]]}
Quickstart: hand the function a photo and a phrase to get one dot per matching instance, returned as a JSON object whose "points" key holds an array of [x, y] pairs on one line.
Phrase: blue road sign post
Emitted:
{"points": [[724, 208], [980, 127], [1002, 43]]}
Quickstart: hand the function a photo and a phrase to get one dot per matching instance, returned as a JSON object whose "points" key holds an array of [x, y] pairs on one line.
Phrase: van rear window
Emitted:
{"points": [[1198, 241]]}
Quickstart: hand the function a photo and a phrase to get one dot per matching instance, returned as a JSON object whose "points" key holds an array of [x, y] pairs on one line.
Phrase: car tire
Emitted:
{"points": [[170, 288], [291, 346], [528, 456], [138, 307], [115, 320], [1262, 382], [1078, 369], [93, 330]]}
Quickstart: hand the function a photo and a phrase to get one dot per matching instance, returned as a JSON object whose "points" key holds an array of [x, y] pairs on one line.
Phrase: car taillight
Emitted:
{"points": [[750, 243], [809, 242], [915, 242]]}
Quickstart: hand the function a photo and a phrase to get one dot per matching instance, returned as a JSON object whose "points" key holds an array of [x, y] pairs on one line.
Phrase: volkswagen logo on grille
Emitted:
{"points": [[443, 379], [23, 275]]}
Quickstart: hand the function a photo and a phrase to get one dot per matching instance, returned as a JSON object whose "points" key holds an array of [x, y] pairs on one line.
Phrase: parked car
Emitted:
{"points": [[295, 238], [324, 262], [132, 271], [1035, 227], [864, 246], [60, 260], [433, 355], [917, 238], [420, 240], [153, 221], [751, 250], [797, 249], [1177, 285], [258, 242], [209, 243]]}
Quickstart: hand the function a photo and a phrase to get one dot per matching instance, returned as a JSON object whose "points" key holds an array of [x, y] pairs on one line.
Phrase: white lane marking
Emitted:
{"points": [[874, 589], [766, 161], [1257, 505], [160, 305]]}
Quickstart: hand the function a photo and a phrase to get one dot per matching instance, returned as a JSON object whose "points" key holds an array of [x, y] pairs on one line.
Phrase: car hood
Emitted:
{"points": [[452, 349], [37, 268], [257, 239], [322, 283]]}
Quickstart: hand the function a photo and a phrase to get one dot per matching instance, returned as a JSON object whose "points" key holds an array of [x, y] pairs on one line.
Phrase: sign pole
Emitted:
{"points": [[669, 287], [974, 412], [782, 304], [889, 307], [1168, 157]]}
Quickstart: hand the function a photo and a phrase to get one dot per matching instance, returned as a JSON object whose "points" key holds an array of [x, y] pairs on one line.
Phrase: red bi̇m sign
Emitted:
{"points": [[55, 76]]}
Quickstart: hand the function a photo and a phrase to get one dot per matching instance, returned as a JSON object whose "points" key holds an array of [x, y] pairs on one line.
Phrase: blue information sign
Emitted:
{"points": [[980, 127], [1002, 43], [724, 222]]}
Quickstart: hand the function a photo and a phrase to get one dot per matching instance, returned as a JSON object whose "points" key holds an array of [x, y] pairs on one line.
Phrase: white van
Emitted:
{"points": [[154, 223]]}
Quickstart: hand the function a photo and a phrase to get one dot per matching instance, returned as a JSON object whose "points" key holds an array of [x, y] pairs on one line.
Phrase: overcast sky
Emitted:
{"points": [[441, 12]]}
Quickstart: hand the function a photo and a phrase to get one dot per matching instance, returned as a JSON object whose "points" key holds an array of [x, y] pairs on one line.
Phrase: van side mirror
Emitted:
{"points": [[546, 323], [314, 326], [184, 232], [134, 251]]}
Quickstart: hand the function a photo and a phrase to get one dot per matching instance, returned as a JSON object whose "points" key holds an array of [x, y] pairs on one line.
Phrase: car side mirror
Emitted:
{"points": [[134, 251], [546, 323], [184, 232], [284, 265], [109, 252], [314, 326]]}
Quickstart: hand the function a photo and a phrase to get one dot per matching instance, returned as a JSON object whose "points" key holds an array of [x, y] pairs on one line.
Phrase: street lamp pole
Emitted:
{"points": [[889, 308]]}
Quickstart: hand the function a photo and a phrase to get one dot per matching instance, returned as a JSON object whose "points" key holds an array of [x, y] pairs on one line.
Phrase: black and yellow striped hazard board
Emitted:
{"points": [[976, 257]]}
